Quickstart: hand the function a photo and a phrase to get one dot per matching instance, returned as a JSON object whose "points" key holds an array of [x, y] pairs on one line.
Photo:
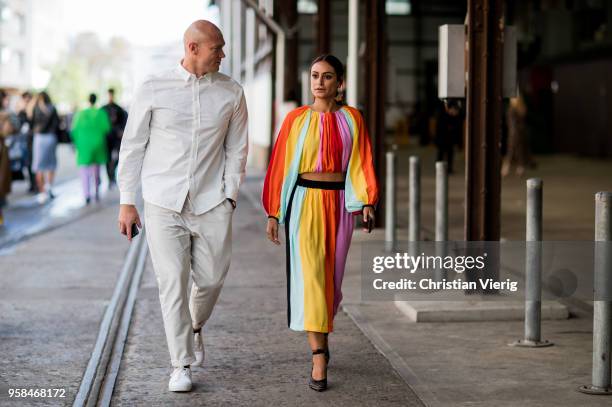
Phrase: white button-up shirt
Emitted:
{"points": [[185, 136]]}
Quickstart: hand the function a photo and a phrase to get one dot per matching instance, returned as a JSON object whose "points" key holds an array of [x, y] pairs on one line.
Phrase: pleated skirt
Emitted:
{"points": [[318, 234]]}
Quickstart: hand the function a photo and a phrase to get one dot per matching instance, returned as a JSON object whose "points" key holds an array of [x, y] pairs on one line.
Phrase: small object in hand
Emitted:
{"points": [[134, 230], [368, 225]]}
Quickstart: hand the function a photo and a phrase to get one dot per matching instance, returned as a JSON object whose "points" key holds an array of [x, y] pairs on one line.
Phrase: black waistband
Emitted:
{"points": [[308, 183]]}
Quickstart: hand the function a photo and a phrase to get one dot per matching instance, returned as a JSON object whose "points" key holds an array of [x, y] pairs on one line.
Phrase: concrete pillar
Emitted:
{"points": [[352, 74], [236, 45], [250, 28]]}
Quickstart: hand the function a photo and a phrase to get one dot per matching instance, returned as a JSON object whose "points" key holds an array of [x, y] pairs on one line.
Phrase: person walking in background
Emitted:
{"points": [[45, 123], [517, 155], [449, 132], [89, 129], [24, 114], [320, 175], [9, 125], [118, 118], [186, 142]]}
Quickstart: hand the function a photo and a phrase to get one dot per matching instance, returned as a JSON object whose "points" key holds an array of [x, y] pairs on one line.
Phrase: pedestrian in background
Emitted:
{"points": [[449, 132], [118, 118], [89, 129], [24, 113], [45, 123], [321, 175], [9, 124], [517, 155]]}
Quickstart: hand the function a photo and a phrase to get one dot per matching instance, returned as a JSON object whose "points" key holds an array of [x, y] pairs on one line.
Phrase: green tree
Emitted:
{"points": [[89, 66]]}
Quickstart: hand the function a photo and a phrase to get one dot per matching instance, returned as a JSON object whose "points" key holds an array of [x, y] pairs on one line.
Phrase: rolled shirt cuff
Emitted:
{"points": [[231, 193], [127, 198]]}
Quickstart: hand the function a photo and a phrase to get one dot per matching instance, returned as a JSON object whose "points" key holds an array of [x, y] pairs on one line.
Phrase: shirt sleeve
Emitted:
{"points": [[134, 144], [236, 149], [361, 187], [277, 172]]}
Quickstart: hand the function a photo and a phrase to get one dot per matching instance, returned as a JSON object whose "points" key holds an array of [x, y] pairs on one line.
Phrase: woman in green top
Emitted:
{"points": [[89, 129]]}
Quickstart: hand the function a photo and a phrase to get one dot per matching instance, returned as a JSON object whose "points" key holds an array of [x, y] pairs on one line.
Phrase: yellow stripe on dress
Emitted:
{"points": [[312, 253]]}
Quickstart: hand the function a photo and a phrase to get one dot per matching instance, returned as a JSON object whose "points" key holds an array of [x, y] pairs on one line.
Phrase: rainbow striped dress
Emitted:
{"points": [[318, 215]]}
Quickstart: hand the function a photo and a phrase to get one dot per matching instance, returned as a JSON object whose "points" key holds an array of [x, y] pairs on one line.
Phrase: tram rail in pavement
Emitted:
{"points": [[98, 381]]}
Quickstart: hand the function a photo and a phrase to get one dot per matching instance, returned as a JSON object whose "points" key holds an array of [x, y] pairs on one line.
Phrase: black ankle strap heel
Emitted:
{"points": [[318, 385]]}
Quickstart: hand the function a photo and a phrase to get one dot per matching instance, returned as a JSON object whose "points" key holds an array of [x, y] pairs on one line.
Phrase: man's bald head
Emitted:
{"points": [[203, 42], [200, 31]]}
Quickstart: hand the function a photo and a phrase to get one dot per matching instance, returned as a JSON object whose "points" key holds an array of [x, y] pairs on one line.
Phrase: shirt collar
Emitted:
{"points": [[187, 76]]}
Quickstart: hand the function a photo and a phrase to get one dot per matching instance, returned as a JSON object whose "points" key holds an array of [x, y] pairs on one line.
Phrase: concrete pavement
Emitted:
{"points": [[470, 363], [569, 187], [54, 289], [252, 358]]}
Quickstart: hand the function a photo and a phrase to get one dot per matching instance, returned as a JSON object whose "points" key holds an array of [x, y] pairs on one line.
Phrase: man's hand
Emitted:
{"points": [[272, 231], [128, 215], [368, 213]]}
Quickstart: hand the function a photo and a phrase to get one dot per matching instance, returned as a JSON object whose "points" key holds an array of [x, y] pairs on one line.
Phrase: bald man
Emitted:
{"points": [[185, 141]]}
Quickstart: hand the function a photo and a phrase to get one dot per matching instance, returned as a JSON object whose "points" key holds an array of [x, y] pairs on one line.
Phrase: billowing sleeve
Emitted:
{"points": [[361, 187], [277, 174]]}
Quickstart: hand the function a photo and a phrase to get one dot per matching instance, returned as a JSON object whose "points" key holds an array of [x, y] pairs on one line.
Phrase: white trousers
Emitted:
{"points": [[180, 243]]}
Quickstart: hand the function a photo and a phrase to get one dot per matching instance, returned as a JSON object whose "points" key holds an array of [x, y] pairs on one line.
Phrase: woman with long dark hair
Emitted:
{"points": [[320, 175], [45, 122]]}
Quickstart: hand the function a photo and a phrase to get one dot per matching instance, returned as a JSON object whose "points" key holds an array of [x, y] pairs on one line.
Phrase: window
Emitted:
{"points": [[20, 57], [5, 12], [5, 54], [398, 7], [21, 24], [307, 7]]}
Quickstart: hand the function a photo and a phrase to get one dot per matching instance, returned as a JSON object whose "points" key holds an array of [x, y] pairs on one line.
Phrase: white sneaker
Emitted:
{"points": [[42, 198], [198, 349], [180, 379]]}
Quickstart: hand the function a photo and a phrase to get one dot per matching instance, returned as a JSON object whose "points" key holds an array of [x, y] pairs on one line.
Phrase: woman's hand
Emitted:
{"points": [[272, 231], [368, 213]]}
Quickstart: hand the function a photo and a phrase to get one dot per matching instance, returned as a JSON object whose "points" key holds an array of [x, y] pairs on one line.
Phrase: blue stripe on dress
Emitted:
{"points": [[292, 174], [352, 204], [297, 279]]}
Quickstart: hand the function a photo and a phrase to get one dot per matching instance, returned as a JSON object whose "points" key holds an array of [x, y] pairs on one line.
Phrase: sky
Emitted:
{"points": [[141, 22]]}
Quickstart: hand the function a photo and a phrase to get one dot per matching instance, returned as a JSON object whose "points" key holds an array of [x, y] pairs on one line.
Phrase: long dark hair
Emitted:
{"points": [[338, 68]]}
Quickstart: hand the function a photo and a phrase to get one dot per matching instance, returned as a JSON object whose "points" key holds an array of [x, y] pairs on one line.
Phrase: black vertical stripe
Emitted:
{"points": [[288, 254]]}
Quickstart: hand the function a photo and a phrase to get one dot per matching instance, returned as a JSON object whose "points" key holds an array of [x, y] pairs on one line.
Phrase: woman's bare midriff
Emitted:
{"points": [[324, 176]]}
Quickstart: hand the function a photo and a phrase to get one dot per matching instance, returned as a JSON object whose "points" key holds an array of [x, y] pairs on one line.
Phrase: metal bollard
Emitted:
{"points": [[533, 268], [602, 304], [441, 227], [414, 215], [441, 201], [390, 227]]}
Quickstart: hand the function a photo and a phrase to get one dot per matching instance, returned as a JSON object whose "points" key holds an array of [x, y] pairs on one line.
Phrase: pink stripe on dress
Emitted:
{"points": [[344, 234]]}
